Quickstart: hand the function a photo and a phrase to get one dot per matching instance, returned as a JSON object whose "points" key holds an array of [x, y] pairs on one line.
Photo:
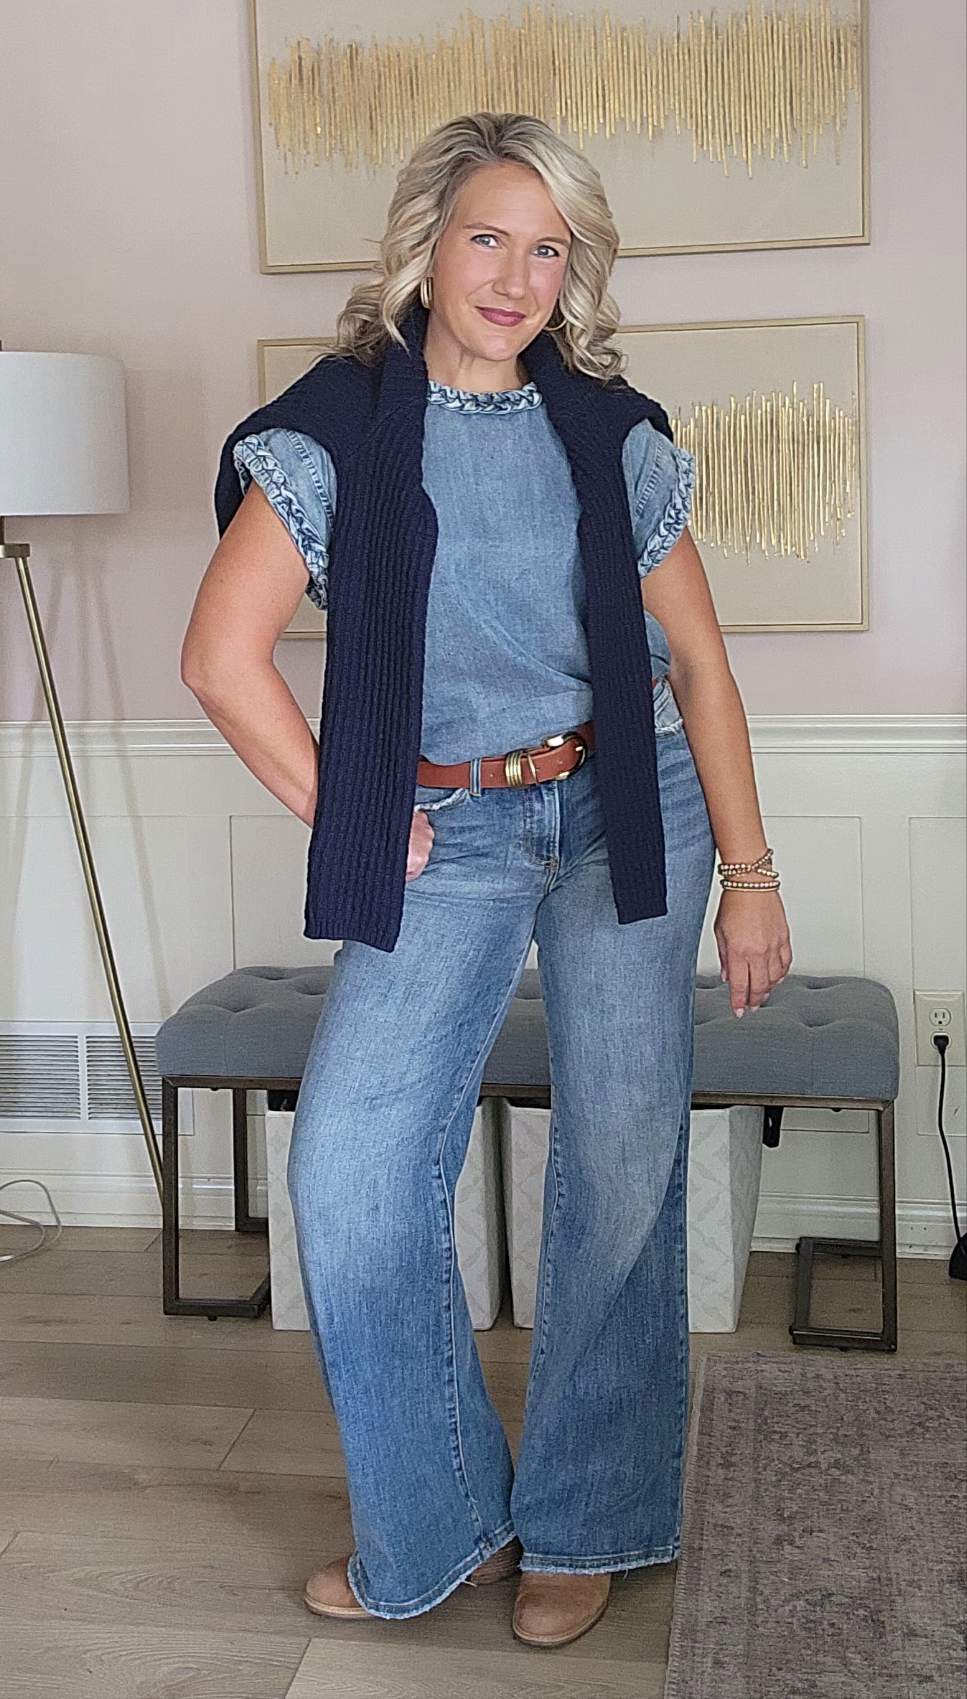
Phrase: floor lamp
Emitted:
{"points": [[63, 450]]}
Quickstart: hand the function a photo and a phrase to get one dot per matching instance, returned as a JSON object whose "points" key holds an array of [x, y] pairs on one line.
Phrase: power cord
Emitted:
{"points": [[957, 1266], [45, 1241]]}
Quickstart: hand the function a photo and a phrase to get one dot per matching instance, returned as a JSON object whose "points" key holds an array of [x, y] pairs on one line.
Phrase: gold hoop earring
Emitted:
{"points": [[426, 291], [561, 326]]}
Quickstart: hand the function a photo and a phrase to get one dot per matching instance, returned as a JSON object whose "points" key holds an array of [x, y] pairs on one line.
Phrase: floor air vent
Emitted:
{"points": [[39, 1075], [109, 1093], [70, 1077]]}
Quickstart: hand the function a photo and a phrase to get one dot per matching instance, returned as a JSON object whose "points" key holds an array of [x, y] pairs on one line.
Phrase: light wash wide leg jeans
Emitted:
{"points": [[380, 1136]]}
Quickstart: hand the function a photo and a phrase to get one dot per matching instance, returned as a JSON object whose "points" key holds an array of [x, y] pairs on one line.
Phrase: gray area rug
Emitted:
{"points": [[825, 1523]]}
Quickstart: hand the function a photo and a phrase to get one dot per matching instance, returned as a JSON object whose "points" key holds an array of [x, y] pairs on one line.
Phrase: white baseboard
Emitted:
{"points": [[923, 1230], [105, 1200], [116, 1200]]}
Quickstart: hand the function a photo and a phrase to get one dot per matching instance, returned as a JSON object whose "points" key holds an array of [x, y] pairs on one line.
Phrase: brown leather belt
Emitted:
{"points": [[555, 758]]}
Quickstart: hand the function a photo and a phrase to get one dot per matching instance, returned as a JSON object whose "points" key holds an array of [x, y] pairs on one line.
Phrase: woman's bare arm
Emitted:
{"points": [[750, 928], [253, 585]]}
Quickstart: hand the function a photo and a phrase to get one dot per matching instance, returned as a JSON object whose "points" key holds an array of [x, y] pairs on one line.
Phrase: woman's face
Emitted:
{"points": [[499, 263]]}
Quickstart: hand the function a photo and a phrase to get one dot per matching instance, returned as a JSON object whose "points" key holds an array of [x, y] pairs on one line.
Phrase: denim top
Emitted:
{"points": [[506, 660]]}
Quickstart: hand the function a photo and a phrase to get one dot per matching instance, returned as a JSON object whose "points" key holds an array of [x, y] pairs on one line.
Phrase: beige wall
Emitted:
{"points": [[127, 212]]}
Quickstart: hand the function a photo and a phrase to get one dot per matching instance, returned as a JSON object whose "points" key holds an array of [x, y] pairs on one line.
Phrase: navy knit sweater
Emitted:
{"points": [[370, 419]]}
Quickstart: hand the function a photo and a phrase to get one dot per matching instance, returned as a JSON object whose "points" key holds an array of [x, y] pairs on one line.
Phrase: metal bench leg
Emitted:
{"points": [[170, 1223], [245, 1222], [883, 1248], [772, 1125], [173, 1304]]}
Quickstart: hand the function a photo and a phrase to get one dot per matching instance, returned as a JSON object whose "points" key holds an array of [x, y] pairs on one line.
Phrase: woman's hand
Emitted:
{"points": [[753, 942], [421, 841]]}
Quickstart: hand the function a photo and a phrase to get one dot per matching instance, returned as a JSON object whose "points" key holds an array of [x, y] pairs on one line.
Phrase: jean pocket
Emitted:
{"points": [[668, 717], [432, 798]]}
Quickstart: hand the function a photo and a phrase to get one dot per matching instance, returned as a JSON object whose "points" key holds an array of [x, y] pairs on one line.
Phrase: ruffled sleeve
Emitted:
{"points": [[660, 479], [297, 476]]}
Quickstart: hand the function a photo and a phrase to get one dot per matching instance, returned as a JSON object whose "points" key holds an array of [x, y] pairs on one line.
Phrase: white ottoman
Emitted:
{"points": [[478, 1222], [725, 1159]]}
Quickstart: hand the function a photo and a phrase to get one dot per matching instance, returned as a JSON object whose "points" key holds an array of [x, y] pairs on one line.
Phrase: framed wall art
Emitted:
{"points": [[774, 412], [741, 125]]}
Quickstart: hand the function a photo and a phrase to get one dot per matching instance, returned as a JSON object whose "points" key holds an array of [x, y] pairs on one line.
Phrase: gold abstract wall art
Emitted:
{"points": [[754, 83], [731, 127], [775, 472], [774, 413]]}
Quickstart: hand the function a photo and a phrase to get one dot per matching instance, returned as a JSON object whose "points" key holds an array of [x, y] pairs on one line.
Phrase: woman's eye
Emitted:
{"points": [[544, 249]]}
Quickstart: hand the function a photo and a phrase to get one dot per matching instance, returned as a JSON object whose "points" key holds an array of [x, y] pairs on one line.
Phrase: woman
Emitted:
{"points": [[465, 803]]}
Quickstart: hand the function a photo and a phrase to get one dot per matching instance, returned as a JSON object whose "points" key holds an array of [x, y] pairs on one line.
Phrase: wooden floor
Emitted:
{"points": [[167, 1484]]}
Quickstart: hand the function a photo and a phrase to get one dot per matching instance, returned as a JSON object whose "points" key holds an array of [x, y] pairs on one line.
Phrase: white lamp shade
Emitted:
{"points": [[63, 441]]}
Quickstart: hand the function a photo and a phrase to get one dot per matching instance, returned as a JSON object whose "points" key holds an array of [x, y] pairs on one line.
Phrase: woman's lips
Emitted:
{"points": [[496, 316]]}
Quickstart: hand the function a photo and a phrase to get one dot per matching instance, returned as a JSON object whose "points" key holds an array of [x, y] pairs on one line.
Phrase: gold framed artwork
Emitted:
{"points": [[774, 412], [743, 125]]}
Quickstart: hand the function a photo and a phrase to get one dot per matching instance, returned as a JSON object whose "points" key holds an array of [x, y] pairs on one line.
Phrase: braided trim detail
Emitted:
{"points": [[487, 401], [254, 461], [675, 517]]}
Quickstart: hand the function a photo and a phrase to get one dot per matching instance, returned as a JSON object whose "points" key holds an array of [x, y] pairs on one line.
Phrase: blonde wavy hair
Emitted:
{"points": [[426, 190]]}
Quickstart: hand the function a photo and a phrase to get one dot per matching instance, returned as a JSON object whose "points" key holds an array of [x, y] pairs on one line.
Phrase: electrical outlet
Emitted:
{"points": [[940, 1011]]}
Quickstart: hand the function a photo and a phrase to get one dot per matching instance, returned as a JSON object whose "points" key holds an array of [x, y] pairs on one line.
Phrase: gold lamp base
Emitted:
{"points": [[20, 553]]}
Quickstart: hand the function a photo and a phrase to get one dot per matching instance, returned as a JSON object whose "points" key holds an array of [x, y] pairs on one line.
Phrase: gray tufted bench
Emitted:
{"points": [[826, 1041]]}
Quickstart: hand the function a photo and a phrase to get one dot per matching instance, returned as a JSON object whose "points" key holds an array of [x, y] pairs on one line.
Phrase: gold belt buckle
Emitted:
{"points": [[582, 753], [513, 769], [513, 762]]}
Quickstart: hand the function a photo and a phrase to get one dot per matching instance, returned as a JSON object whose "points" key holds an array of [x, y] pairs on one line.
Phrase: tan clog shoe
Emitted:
{"points": [[328, 1592], [554, 1608]]}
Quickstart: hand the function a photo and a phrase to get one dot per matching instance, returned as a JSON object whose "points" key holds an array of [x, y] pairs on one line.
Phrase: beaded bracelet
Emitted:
{"points": [[768, 881], [747, 885], [730, 867]]}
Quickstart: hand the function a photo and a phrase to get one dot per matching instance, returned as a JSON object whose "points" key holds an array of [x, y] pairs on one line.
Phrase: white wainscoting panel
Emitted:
{"points": [[51, 968], [269, 853], [203, 871]]}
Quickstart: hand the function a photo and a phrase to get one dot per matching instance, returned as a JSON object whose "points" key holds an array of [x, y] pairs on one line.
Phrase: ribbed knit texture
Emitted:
{"points": [[370, 419]]}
